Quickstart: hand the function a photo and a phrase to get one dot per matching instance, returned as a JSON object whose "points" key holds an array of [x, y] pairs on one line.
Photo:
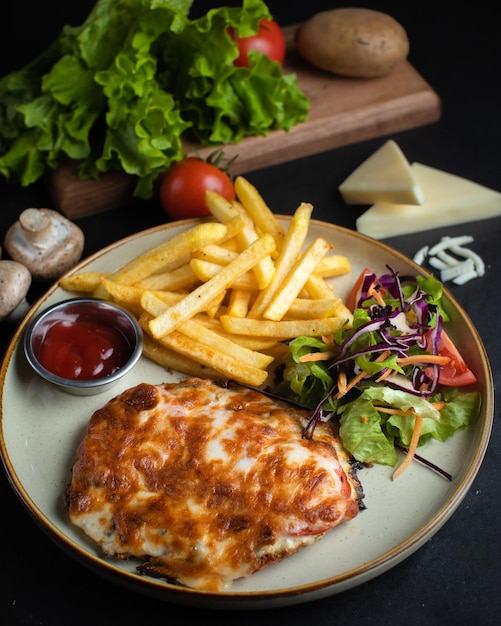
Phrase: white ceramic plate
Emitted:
{"points": [[42, 426]]}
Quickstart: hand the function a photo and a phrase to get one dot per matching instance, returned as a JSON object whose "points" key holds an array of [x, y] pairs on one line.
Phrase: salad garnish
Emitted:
{"points": [[381, 376]]}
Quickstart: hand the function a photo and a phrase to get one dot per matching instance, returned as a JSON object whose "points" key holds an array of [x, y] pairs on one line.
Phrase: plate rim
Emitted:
{"points": [[251, 599]]}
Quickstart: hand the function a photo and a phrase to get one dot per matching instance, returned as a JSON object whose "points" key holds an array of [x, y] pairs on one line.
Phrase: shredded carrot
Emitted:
{"points": [[372, 291], [355, 380], [385, 374], [382, 356], [341, 383], [423, 358], [317, 356], [417, 358], [412, 448], [329, 342], [439, 405]]}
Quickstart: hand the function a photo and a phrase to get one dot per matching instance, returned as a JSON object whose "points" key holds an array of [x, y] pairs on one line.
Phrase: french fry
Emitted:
{"points": [[318, 288], [84, 281], [176, 248], [332, 265], [234, 226], [157, 302], [226, 366], [264, 268], [131, 294], [253, 342], [124, 294], [221, 209], [238, 304], [296, 278], [307, 308], [201, 297], [283, 329], [224, 345], [101, 292], [204, 270], [215, 306], [258, 210], [196, 331], [231, 245], [216, 254], [165, 357], [291, 249], [225, 210], [178, 278]]}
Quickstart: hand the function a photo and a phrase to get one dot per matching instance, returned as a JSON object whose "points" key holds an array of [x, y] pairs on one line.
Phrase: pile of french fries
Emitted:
{"points": [[221, 298]]}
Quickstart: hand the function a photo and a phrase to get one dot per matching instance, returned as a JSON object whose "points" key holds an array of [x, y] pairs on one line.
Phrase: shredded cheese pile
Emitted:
{"points": [[455, 262]]}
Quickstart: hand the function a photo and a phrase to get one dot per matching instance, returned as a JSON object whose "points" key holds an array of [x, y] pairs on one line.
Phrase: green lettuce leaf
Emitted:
{"points": [[58, 103], [461, 409], [362, 433], [402, 400], [310, 380], [223, 102], [370, 435], [143, 122], [123, 90]]}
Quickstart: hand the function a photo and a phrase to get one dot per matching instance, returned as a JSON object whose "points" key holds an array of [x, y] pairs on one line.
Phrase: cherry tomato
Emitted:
{"points": [[269, 40], [456, 373], [182, 190]]}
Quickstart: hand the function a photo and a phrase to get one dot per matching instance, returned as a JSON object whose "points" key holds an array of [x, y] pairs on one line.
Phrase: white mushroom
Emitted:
{"points": [[15, 280], [46, 242]]}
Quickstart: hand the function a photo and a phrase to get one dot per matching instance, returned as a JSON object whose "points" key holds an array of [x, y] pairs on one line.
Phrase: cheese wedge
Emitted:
{"points": [[450, 200], [386, 176]]}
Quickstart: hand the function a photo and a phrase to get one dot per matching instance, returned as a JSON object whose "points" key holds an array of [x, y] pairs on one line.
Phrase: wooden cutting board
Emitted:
{"points": [[342, 111]]}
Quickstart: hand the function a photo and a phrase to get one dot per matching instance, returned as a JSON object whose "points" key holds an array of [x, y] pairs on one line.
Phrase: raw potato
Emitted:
{"points": [[360, 43]]}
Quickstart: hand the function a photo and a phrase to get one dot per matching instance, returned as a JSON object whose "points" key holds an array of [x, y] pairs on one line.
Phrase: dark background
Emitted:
{"points": [[455, 577]]}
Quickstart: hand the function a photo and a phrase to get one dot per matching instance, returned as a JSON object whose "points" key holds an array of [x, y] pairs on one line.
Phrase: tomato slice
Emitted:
{"points": [[354, 295], [456, 373]]}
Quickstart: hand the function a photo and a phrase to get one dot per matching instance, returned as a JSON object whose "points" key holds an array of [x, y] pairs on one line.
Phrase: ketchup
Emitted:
{"points": [[83, 349]]}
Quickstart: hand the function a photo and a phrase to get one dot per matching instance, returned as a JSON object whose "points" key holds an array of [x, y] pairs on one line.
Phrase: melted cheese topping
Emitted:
{"points": [[207, 484]]}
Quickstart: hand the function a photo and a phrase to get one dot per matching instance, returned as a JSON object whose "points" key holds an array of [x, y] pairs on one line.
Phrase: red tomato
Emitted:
{"points": [[182, 190], [456, 373], [269, 40], [354, 295]]}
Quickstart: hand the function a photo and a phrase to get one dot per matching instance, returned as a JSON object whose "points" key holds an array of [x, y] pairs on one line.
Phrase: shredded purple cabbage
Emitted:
{"points": [[415, 314]]}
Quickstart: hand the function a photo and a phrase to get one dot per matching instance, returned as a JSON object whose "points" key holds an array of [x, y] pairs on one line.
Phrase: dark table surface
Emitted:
{"points": [[455, 577]]}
